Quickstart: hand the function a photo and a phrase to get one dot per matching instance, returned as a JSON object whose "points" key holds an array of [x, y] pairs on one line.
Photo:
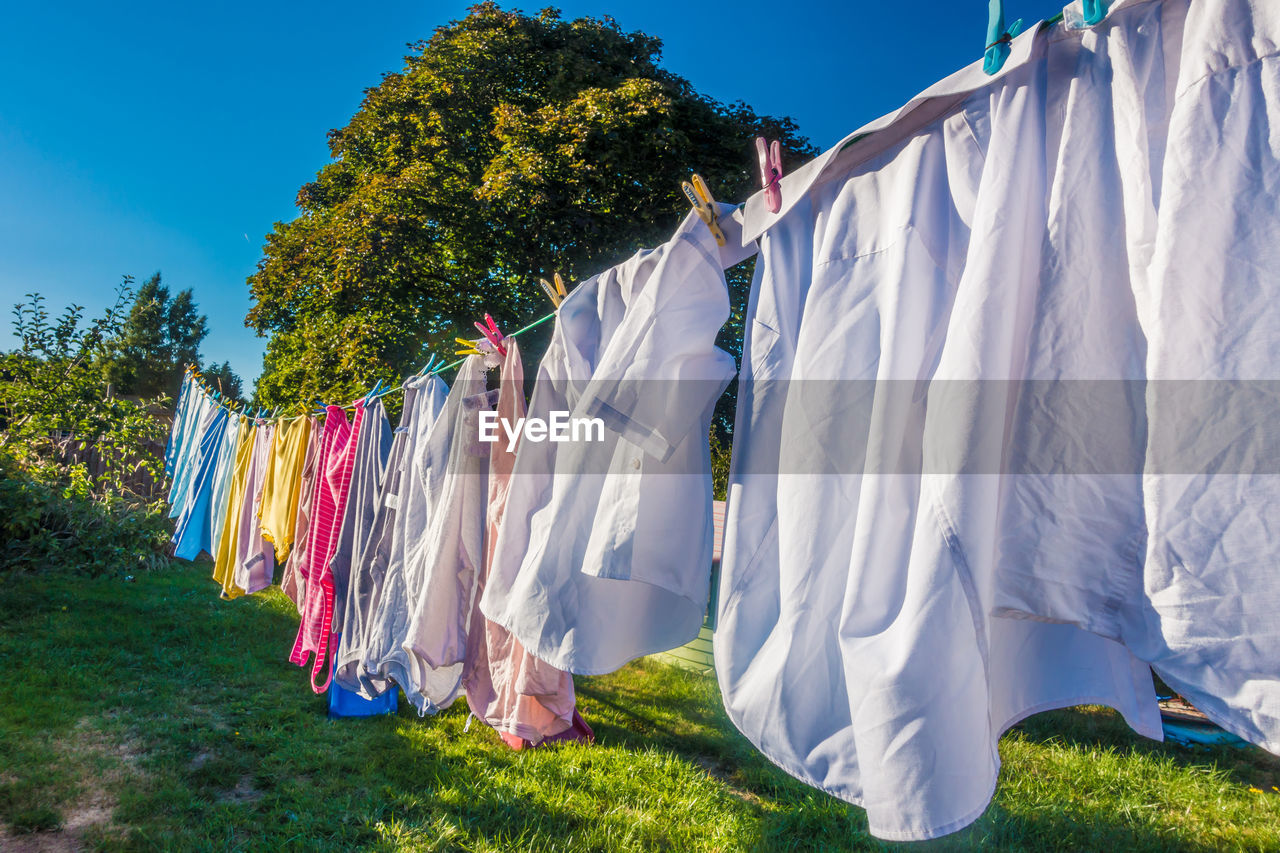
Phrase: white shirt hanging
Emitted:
{"points": [[605, 551], [936, 521], [441, 559]]}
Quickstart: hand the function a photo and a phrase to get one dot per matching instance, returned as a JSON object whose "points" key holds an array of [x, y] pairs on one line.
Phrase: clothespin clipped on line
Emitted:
{"points": [[430, 365], [556, 294], [468, 347], [770, 156], [491, 346], [998, 37], [704, 205], [373, 392], [493, 335], [1089, 13]]}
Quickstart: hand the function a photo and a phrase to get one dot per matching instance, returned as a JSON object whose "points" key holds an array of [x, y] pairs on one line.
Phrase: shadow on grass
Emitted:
{"points": [[239, 752], [1103, 729]]}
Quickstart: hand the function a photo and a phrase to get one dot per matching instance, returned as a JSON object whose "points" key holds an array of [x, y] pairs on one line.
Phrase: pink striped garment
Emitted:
{"points": [[333, 482]]}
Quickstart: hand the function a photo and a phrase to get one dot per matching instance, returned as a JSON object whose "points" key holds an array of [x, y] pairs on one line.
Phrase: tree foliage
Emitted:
{"points": [[508, 147], [55, 412], [159, 337]]}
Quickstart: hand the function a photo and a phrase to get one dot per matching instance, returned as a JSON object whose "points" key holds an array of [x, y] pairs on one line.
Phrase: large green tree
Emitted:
{"points": [[160, 336], [508, 147]]}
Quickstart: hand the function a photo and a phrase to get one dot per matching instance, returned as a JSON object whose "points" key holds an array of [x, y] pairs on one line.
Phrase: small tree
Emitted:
{"points": [[224, 379], [146, 356]]}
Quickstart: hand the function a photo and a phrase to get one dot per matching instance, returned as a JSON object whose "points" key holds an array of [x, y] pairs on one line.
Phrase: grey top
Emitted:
{"points": [[373, 442], [370, 510], [388, 616]]}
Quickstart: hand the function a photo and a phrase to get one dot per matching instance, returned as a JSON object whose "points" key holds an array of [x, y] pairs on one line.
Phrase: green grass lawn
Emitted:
{"points": [[148, 714]]}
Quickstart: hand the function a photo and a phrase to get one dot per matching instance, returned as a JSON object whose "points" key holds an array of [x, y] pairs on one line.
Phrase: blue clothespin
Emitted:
{"points": [[373, 392], [430, 365], [998, 37], [1094, 11]]}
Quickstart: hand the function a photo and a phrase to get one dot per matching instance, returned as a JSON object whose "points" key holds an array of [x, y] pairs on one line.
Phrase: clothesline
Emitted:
{"points": [[877, 628], [450, 366]]}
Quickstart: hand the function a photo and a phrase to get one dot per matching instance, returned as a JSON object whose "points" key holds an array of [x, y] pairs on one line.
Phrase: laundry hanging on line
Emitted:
{"points": [[916, 555]]}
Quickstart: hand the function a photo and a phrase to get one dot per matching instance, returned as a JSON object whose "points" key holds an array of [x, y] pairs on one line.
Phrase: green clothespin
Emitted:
{"points": [[998, 37]]}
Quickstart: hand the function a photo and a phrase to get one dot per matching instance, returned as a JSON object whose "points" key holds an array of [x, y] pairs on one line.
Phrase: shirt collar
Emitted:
{"points": [[870, 139]]}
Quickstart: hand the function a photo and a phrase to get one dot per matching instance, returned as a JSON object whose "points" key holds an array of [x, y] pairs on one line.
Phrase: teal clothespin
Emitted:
{"points": [[430, 365], [1094, 11], [373, 392], [998, 37]]}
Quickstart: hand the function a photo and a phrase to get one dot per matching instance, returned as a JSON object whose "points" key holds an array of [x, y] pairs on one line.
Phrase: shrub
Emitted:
{"points": [[47, 527]]}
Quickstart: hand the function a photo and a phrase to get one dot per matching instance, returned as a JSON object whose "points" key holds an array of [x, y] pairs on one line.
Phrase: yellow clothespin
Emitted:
{"points": [[704, 205], [556, 294], [468, 347]]}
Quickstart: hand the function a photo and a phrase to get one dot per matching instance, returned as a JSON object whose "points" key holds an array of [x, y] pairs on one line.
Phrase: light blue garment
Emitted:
{"points": [[192, 533], [188, 447], [222, 475], [180, 432], [179, 411]]}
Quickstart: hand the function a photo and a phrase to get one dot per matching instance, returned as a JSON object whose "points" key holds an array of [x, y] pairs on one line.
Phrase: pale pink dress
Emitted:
{"points": [[528, 701], [255, 557]]}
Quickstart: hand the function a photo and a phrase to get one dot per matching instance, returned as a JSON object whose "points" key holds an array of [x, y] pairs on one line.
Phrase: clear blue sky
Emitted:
{"points": [[170, 136]]}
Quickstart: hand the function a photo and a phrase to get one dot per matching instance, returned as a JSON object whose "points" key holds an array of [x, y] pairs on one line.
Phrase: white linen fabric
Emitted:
{"points": [[605, 549], [977, 472], [444, 558], [1210, 302]]}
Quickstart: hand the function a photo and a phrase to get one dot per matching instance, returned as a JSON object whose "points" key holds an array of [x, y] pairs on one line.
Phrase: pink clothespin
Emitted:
{"points": [[770, 156], [493, 335]]}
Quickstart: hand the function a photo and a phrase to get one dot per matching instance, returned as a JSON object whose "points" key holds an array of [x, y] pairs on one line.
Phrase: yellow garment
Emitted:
{"points": [[224, 566], [278, 506]]}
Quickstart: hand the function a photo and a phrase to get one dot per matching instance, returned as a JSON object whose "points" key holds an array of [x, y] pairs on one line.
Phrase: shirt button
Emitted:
{"points": [[635, 463]]}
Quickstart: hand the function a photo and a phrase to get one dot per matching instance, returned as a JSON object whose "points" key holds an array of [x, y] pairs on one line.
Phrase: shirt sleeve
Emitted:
{"points": [[661, 368]]}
